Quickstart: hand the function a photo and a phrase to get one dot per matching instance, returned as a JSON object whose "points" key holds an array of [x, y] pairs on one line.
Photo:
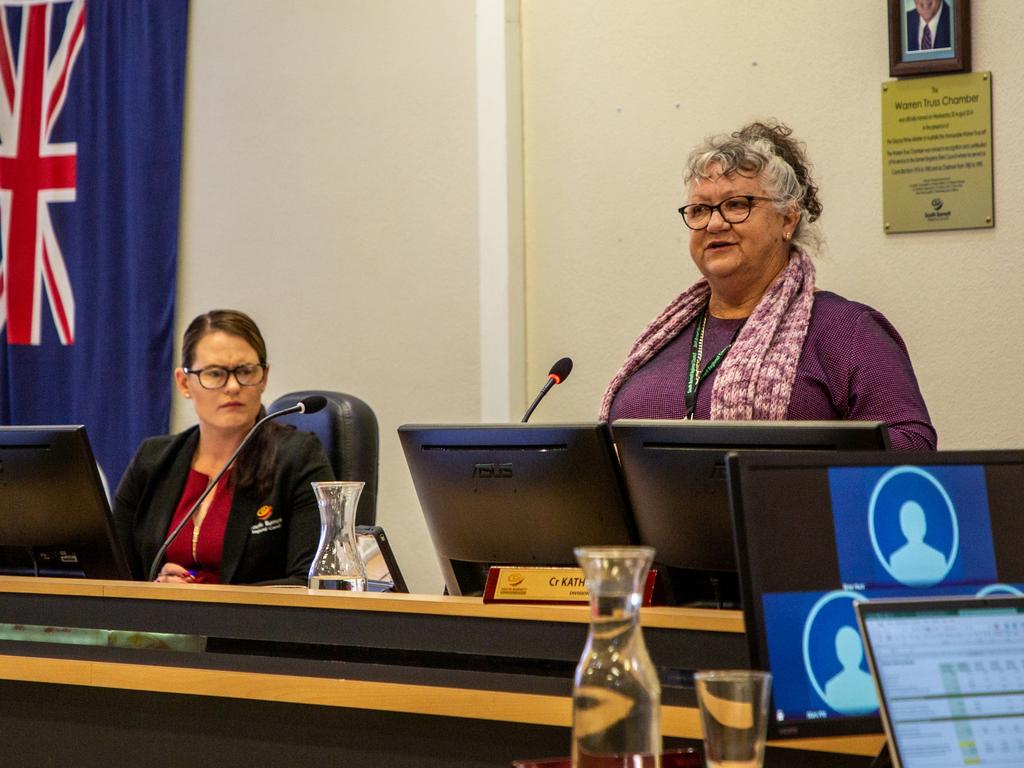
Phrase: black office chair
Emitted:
{"points": [[348, 429]]}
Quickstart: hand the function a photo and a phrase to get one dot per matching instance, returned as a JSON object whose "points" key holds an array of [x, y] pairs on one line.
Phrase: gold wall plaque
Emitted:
{"points": [[937, 153]]}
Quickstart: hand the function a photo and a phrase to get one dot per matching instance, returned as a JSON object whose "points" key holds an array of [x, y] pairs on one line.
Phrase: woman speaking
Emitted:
{"points": [[755, 339], [260, 523]]}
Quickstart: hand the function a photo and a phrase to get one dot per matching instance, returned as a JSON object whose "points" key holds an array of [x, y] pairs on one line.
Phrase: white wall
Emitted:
{"points": [[333, 187], [330, 190], [617, 93]]}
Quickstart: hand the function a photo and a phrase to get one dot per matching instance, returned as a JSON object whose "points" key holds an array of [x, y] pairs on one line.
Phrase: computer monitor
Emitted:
{"points": [[675, 479], [949, 678], [54, 515], [817, 532], [514, 494]]}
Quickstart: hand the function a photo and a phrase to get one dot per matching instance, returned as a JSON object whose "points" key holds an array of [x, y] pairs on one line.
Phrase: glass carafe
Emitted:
{"points": [[616, 702], [337, 564]]}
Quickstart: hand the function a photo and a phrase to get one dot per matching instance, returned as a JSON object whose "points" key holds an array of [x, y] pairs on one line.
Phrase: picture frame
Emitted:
{"points": [[951, 38]]}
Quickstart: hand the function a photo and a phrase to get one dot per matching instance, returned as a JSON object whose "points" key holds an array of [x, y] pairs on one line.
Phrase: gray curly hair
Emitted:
{"points": [[765, 150]]}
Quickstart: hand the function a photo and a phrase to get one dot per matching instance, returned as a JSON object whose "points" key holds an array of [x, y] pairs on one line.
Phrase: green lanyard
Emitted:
{"points": [[696, 375]]}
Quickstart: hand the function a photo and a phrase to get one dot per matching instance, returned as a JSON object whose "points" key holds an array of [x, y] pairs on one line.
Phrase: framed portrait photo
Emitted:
{"points": [[929, 36]]}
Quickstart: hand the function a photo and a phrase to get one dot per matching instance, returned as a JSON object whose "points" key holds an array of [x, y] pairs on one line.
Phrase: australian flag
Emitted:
{"points": [[91, 96]]}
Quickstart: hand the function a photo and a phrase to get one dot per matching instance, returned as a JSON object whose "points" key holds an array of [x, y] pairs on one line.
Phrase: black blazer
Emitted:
{"points": [[942, 39], [277, 549]]}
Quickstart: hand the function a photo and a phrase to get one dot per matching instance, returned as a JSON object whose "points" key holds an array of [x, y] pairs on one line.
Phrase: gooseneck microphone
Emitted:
{"points": [[310, 404], [559, 372]]}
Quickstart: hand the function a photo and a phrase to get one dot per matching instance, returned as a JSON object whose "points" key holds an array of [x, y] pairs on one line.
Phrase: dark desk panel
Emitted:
{"points": [[292, 676]]}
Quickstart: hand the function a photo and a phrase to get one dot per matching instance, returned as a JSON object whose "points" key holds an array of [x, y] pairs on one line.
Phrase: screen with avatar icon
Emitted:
{"points": [[819, 533]]}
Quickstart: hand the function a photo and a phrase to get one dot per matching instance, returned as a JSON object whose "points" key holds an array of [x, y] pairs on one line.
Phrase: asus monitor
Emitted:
{"points": [[514, 494]]}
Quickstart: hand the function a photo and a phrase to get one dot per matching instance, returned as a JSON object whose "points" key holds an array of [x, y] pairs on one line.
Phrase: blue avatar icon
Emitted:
{"points": [[829, 643], [899, 527], [916, 564], [852, 691]]}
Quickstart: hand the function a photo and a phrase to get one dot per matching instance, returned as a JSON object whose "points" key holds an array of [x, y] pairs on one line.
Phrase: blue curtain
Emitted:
{"points": [[91, 98]]}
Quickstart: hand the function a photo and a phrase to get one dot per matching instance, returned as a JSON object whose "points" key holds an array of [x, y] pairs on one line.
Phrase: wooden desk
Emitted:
{"points": [[284, 676]]}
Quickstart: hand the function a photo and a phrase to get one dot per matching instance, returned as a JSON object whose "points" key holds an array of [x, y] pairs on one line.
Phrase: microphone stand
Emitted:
{"points": [[158, 560], [540, 396]]}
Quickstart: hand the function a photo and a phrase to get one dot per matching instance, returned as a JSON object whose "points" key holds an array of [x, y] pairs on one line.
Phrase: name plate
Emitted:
{"points": [[530, 584]]}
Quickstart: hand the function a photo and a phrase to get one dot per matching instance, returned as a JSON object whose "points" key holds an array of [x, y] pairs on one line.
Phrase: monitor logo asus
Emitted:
{"points": [[492, 471]]}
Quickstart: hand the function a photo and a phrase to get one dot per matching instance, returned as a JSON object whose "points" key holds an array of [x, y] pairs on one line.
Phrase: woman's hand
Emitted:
{"points": [[172, 573]]}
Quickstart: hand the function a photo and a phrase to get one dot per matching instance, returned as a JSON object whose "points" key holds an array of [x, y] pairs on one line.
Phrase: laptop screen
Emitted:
{"points": [[818, 533], [951, 678]]}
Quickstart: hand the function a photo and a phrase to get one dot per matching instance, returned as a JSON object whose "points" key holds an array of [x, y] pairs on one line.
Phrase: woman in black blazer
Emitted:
{"points": [[261, 523]]}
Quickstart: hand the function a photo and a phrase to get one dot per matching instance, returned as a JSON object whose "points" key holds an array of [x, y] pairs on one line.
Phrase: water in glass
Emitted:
{"points": [[338, 565]]}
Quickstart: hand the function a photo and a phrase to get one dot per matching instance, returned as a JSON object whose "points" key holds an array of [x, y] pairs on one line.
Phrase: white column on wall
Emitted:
{"points": [[500, 193]]}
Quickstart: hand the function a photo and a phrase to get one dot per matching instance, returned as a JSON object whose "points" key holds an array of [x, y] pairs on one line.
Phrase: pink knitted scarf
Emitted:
{"points": [[756, 378]]}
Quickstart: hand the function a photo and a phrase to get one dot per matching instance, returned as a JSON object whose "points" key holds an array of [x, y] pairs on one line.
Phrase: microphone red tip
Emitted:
{"points": [[555, 378]]}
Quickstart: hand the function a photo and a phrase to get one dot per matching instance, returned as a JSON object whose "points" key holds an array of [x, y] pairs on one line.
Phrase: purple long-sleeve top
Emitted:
{"points": [[853, 366]]}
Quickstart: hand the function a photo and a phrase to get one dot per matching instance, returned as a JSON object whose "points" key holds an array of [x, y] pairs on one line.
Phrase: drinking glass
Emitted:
{"points": [[734, 716]]}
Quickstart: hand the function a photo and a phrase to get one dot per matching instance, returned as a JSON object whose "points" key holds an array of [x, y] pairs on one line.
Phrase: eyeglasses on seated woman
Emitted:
{"points": [[260, 524]]}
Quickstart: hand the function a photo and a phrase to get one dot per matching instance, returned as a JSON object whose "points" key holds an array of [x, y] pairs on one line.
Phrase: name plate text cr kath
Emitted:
{"points": [[554, 585]]}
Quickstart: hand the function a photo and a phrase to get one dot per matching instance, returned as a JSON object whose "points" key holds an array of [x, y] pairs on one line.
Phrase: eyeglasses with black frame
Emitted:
{"points": [[216, 376], [734, 210]]}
